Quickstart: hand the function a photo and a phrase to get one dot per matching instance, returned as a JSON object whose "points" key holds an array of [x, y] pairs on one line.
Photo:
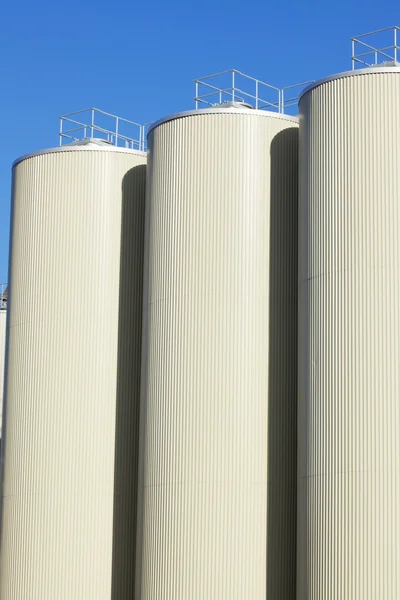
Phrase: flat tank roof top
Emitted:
{"points": [[354, 73], [87, 144]]}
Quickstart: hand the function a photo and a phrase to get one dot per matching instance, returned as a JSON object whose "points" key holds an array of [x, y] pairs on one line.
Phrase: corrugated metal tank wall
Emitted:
{"points": [[69, 493], [349, 339], [3, 320], [220, 358]]}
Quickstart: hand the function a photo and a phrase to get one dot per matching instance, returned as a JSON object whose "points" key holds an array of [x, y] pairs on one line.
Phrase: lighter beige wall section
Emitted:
{"points": [[219, 372], [73, 383], [3, 321], [349, 340]]}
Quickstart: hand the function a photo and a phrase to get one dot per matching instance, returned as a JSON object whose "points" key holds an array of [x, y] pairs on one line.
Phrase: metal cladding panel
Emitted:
{"points": [[349, 340], [219, 372], [3, 320], [72, 393]]}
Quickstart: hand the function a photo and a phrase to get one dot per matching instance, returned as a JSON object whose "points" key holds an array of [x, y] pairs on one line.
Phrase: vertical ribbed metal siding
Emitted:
{"points": [[66, 377], [3, 320], [220, 358], [349, 340]]}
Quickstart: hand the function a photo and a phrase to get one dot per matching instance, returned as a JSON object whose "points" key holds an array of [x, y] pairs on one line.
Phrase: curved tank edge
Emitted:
{"points": [[353, 73], [73, 148], [223, 111]]}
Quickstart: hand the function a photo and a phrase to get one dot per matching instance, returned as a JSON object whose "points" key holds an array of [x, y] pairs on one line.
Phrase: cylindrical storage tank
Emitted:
{"points": [[349, 338], [3, 320], [73, 374], [219, 377]]}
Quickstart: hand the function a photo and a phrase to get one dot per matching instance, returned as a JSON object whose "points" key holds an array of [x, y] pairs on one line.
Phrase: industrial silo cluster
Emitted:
{"points": [[206, 405]]}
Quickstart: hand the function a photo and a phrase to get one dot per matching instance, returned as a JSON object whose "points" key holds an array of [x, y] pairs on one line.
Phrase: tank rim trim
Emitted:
{"points": [[223, 111], [353, 73], [76, 148]]}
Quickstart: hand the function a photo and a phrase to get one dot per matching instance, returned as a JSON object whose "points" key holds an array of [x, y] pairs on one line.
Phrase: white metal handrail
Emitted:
{"points": [[293, 100], [360, 48], [88, 126], [234, 92]]}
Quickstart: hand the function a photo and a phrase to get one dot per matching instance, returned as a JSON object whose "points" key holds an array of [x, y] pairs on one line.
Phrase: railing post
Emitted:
{"points": [[233, 86], [92, 122], [116, 131], [353, 62], [256, 93], [395, 44], [61, 130], [197, 94]]}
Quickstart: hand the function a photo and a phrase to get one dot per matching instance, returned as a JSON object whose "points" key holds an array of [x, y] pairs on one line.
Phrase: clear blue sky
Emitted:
{"points": [[138, 59]]}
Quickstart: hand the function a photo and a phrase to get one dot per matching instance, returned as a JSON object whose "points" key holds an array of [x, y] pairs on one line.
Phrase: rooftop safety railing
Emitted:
{"points": [[375, 47], [234, 86], [95, 123], [237, 87], [3, 295], [290, 95]]}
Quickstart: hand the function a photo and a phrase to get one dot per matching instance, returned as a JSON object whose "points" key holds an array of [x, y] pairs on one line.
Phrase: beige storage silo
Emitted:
{"points": [[349, 338], [74, 320], [219, 374], [3, 320]]}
